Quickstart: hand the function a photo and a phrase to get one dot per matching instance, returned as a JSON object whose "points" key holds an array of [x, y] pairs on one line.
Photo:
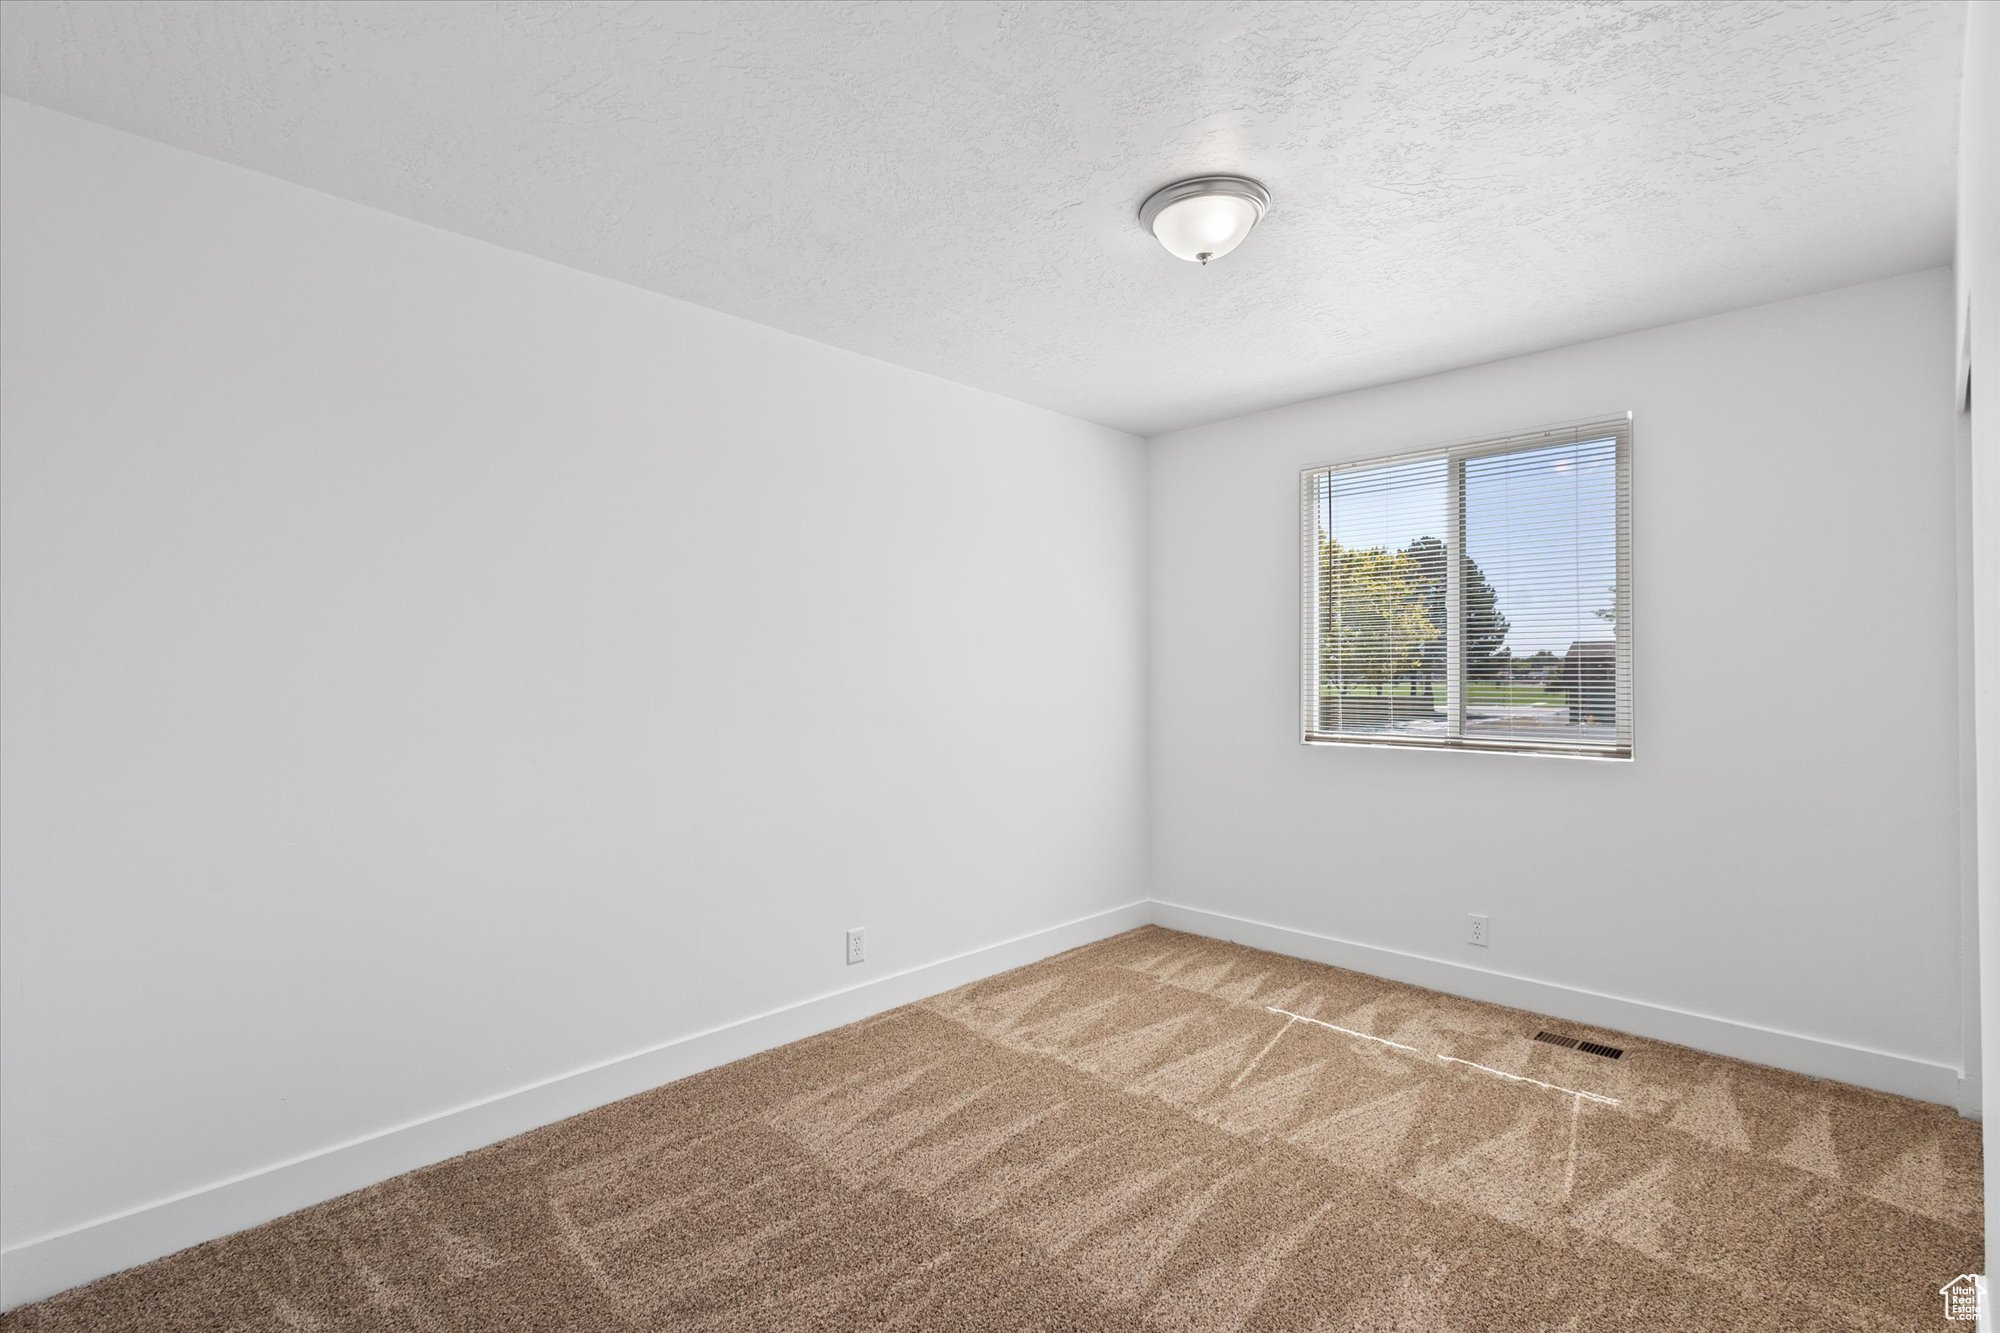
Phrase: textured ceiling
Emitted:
{"points": [[953, 186]]}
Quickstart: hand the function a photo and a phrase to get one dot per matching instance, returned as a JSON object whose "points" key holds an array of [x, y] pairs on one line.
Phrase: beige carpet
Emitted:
{"points": [[1140, 1135]]}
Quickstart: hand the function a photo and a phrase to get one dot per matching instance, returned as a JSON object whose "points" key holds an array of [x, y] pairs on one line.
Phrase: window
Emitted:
{"points": [[1473, 597]]}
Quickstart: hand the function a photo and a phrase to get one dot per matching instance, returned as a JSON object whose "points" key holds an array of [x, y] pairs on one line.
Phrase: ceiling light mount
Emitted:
{"points": [[1204, 217]]}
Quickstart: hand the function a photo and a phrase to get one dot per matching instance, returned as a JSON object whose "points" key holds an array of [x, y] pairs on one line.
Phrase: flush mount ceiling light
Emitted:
{"points": [[1205, 217]]}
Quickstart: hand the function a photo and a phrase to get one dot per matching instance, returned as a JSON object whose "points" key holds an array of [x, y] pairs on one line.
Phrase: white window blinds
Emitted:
{"points": [[1473, 597]]}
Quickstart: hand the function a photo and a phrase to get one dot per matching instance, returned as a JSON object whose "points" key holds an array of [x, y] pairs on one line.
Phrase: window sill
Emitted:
{"points": [[1468, 747]]}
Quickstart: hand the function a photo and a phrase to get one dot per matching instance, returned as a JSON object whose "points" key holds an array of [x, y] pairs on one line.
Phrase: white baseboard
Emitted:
{"points": [[37, 1268], [1900, 1074]]}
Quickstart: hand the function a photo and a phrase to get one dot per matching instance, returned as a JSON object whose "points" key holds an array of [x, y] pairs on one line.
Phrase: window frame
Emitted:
{"points": [[1618, 427]]}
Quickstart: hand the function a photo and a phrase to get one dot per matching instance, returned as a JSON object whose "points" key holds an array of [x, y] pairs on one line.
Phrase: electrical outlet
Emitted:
{"points": [[854, 954], [1477, 935]]}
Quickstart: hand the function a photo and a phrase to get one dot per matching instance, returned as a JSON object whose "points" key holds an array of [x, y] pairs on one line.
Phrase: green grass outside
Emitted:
{"points": [[1476, 692], [1500, 692]]}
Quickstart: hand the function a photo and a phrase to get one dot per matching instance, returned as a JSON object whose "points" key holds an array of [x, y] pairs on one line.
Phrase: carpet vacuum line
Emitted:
{"points": [[1291, 1017]]}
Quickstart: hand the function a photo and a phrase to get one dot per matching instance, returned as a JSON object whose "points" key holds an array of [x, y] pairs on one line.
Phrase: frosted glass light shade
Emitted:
{"points": [[1205, 218]]}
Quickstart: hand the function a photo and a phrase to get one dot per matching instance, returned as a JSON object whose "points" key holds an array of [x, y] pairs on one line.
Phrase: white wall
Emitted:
{"points": [[430, 671], [1787, 865], [1978, 273]]}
